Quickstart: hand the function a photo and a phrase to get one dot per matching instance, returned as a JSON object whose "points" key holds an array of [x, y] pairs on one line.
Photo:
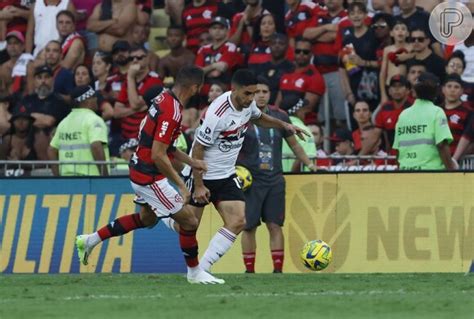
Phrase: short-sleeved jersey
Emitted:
{"points": [[420, 128], [69, 40], [73, 139], [196, 20], [458, 120], [326, 58], [344, 28], [130, 124], [261, 53], [300, 19], [300, 82], [222, 132], [387, 117], [162, 123]]}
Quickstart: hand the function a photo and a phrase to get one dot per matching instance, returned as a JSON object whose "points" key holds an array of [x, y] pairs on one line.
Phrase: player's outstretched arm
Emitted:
{"points": [[161, 160], [269, 121]]}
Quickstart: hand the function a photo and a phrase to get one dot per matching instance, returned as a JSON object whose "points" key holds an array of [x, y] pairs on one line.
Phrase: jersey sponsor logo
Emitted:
{"points": [[226, 146], [164, 128], [204, 135], [207, 14]]}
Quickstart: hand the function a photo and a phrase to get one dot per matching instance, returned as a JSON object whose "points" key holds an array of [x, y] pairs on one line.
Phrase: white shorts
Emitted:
{"points": [[163, 199]]}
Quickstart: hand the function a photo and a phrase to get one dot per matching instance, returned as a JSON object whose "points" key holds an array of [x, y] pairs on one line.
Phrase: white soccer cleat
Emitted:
{"points": [[203, 277], [83, 249]]}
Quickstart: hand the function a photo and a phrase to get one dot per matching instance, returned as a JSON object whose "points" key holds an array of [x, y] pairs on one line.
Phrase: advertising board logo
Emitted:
{"points": [[314, 206]]}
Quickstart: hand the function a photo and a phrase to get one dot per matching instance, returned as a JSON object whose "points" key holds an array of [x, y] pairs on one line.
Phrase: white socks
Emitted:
{"points": [[93, 239], [218, 246]]}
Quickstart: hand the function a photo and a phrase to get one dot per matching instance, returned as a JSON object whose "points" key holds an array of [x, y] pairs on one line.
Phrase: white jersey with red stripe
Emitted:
{"points": [[222, 132]]}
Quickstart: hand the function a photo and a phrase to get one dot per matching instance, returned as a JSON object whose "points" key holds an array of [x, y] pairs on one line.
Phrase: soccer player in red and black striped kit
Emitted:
{"points": [[151, 172]]}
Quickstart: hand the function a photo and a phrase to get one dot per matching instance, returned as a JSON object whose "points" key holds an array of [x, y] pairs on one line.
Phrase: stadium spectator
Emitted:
{"points": [[18, 143], [121, 61], [261, 52], [422, 52], [300, 15], [84, 9], [261, 154], [372, 149], [216, 90], [196, 19], [178, 57], [382, 24], [144, 11], [220, 58], [72, 43], [204, 39], [414, 70], [305, 82], [82, 75], [81, 136], [465, 53], [325, 57], [151, 173], [458, 115], [456, 63], [6, 106], [218, 142], [467, 47], [14, 15], [388, 113], [322, 160], [297, 109], [343, 145], [130, 106], [111, 20], [46, 106], [273, 70], [174, 9], [244, 24], [63, 78], [127, 149], [13, 71], [360, 72], [422, 133], [138, 37], [42, 23], [362, 117], [101, 67], [393, 57]]}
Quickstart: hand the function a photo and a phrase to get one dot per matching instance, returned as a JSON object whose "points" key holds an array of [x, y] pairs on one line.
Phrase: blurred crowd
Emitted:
{"points": [[363, 56]]}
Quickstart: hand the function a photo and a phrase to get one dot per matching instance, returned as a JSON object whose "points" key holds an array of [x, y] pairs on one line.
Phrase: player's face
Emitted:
{"points": [[245, 95], [361, 112], [452, 91], [262, 96], [218, 32], [53, 53], [398, 92], [65, 25]]}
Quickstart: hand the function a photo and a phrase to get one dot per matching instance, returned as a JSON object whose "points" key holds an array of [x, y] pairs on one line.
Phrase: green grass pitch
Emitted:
{"points": [[243, 296]]}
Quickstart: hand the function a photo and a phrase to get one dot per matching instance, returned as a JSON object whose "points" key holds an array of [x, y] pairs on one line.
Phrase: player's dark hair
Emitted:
{"points": [[244, 77], [427, 86], [263, 80], [189, 75], [68, 14]]}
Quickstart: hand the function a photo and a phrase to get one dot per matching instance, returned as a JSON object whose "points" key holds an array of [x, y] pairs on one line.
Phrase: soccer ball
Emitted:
{"points": [[316, 255], [244, 177]]}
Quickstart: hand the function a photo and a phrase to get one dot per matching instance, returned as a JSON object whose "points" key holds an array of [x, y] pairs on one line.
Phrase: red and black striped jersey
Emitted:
{"points": [[261, 53], [300, 19], [245, 39], [299, 82], [130, 124], [387, 117], [196, 20], [458, 120], [162, 123]]}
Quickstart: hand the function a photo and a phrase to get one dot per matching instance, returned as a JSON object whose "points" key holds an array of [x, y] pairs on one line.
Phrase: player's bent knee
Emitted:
{"points": [[148, 217]]}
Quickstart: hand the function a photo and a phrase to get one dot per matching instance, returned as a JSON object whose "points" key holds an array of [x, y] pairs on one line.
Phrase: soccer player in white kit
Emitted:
{"points": [[218, 141]]}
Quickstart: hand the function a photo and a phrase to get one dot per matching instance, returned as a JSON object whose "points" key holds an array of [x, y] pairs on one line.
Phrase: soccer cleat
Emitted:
{"points": [[203, 277], [83, 249]]}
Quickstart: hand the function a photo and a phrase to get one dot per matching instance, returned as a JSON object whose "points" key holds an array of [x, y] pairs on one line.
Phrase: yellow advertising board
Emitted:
{"points": [[416, 222]]}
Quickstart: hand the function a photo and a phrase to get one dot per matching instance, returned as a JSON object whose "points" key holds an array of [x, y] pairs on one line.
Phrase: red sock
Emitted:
{"points": [[278, 257], [121, 226], [189, 246], [249, 261]]}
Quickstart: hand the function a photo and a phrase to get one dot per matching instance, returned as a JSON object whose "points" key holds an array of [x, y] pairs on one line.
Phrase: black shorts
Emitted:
{"points": [[227, 189], [265, 202]]}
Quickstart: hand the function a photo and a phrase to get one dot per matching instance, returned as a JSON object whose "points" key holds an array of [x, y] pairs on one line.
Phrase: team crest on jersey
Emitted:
{"points": [[207, 14], [178, 198], [159, 99]]}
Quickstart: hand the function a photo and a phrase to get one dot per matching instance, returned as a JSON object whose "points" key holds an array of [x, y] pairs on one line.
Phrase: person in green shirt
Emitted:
{"points": [[81, 136], [297, 109], [422, 134]]}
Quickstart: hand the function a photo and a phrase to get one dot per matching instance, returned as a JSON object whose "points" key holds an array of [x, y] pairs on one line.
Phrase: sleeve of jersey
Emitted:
{"points": [[97, 131], [379, 119], [317, 85], [200, 58], [209, 130], [231, 56], [442, 131], [256, 113], [165, 128]]}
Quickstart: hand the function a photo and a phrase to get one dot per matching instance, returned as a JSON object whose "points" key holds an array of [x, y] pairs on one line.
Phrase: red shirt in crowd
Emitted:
{"points": [[245, 38], [196, 20], [261, 53], [306, 80], [162, 124], [300, 19], [131, 124], [458, 120]]}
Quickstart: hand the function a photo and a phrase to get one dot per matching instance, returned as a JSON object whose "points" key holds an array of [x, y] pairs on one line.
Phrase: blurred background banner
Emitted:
{"points": [[419, 222]]}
